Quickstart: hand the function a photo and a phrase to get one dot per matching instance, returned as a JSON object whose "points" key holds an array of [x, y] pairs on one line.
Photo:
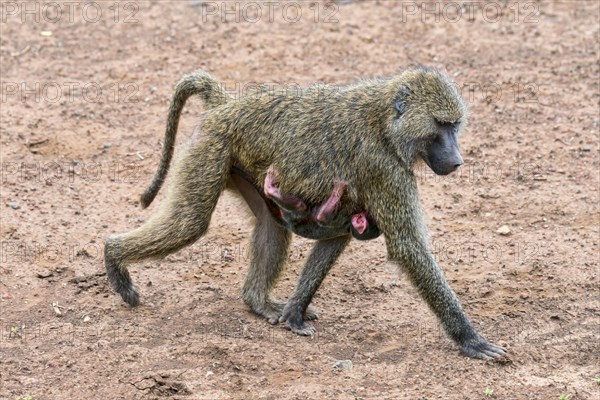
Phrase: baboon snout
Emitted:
{"points": [[451, 163], [458, 161]]}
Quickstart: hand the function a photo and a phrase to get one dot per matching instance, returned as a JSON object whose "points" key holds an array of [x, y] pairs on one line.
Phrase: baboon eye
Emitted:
{"points": [[445, 124]]}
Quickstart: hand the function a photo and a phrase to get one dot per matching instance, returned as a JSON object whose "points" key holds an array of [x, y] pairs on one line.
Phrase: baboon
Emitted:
{"points": [[369, 134], [295, 214]]}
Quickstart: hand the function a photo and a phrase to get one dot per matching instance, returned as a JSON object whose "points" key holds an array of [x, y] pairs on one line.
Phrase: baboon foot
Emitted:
{"points": [[310, 314], [481, 348], [272, 310], [269, 310], [119, 278], [131, 296], [304, 329], [295, 320], [300, 327]]}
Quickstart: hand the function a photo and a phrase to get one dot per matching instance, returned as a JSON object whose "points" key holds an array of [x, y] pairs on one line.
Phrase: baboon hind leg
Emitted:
{"points": [[320, 261], [198, 180], [270, 245]]}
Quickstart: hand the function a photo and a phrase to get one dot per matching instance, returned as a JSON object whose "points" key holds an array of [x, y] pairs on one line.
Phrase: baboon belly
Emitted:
{"points": [[340, 225], [310, 229]]}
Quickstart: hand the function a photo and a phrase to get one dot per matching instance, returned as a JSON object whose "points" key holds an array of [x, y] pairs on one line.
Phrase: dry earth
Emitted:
{"points": [[84, 99]]}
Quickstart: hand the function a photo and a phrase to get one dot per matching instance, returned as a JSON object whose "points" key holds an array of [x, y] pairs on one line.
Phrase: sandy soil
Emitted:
{"points": [[82, 113]]}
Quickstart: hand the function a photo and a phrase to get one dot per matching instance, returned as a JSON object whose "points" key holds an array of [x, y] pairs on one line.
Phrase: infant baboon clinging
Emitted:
{"points": [[295, 213], [368, 134]]}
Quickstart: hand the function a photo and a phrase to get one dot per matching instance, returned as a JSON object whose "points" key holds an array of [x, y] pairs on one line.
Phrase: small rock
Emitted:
{"points": [[227, 256], [106, 146], [14, 205], [504, 230], [343, 364], [209, 373], [586, 148], [78, 279], [86, 319], [83, 253], [56, 309], [44, 274], [524, 296]]}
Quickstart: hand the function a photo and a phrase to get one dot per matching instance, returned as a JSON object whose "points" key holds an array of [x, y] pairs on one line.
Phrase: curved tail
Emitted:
{"points": [[198, 82]]}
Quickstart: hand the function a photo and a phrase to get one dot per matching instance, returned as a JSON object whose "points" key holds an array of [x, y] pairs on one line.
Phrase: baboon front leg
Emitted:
{"points": [[406, 239], [270, 244], [425, 274], [198, 180], [320, 261]]}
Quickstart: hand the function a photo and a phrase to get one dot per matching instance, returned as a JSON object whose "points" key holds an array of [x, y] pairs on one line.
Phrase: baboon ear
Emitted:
{"points": [[400, 103], [399, 106]]}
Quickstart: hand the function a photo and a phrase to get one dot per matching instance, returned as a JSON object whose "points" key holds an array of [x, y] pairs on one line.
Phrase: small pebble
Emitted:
{"points": [[56, 309], [44, 274], [342, 364], [14, 205], [504, 230]]}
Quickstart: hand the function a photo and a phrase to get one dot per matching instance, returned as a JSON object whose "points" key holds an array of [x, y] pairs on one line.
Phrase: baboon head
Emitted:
{"points": [[429, 115]]}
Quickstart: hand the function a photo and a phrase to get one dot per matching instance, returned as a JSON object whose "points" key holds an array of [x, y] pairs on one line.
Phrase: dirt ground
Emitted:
{"points": [[85, 92]]}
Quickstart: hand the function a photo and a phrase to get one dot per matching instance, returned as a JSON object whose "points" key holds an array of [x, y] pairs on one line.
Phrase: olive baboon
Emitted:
{"points": [[368, 134]]}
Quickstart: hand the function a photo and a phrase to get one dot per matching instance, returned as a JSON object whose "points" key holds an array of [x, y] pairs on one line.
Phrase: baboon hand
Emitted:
{"points": [[481, 348]]}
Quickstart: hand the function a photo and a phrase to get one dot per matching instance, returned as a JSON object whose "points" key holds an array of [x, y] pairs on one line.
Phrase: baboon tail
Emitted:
{"points": [[198, 82]]}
